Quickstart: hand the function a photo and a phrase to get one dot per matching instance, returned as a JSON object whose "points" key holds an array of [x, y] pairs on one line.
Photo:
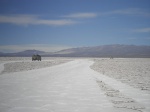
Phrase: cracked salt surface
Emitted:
{"points": [[132, 71], [119, 100], [124, 96], [69, 87]]}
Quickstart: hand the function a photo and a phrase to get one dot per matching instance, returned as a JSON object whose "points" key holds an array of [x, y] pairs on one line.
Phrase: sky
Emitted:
{"points": [[52, 25]]}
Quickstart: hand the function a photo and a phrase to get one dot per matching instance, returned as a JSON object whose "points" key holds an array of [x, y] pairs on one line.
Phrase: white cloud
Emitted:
{"points": [[20, 19], [142, 30], [81, 15], [32, 19], [42, 47], [55, 22], [25, 20]]}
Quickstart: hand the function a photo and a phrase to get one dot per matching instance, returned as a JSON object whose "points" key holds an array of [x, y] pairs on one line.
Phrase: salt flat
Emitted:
{"points": [[132, 71], [68, 87]]}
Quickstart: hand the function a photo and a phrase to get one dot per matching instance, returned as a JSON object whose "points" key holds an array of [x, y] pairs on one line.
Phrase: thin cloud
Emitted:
{"points": [[33, 20], [67, 19], [17, 19], [132, 11], [129, 11], [42, 47], [55, 22], [81, 15], [142, 30]]}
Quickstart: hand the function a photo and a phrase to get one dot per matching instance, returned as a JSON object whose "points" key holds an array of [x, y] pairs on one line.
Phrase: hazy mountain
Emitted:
{"points": [[107, 51], [1, 53], [24, 53], [96, 51]]}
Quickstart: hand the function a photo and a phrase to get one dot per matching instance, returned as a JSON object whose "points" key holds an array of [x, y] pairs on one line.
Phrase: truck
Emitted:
{"points": [[36, 57]]}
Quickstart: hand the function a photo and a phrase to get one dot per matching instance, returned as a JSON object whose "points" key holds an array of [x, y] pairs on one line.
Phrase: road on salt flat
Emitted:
{"points": [[69, 87]]}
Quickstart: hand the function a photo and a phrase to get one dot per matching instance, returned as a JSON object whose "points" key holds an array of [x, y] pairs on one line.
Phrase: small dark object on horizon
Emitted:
{"points": [[36, 57], [111, 57]]}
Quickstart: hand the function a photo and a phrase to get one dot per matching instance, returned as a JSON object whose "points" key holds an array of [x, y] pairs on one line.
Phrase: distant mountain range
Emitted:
{"points": [[122, 51], [25, 53]]}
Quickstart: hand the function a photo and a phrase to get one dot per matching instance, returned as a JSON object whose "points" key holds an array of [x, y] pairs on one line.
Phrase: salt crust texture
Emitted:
{"points": [[17, 64], [132, 71]]}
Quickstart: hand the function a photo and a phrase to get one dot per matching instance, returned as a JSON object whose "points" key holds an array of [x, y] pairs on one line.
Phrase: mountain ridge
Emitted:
{"points": [[115, 50], [25, 53]]}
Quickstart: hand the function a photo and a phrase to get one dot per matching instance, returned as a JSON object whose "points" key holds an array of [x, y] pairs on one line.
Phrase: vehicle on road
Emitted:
{"points": [[36, 57]]}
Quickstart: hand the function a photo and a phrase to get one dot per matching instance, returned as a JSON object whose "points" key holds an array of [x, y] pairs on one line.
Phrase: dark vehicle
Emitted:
{"points": [[36, 57]]}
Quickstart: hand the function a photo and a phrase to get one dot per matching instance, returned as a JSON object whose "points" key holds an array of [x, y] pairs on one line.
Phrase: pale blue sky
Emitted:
{"points": [[52, 25]]}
